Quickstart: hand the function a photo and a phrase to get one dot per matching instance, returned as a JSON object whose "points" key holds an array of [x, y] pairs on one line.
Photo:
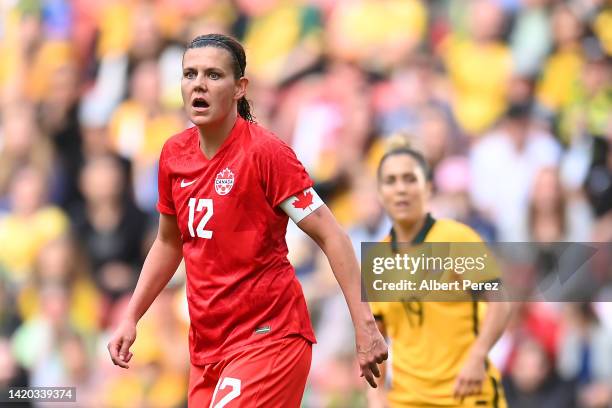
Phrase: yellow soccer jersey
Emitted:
{"points": [[431, 340]]}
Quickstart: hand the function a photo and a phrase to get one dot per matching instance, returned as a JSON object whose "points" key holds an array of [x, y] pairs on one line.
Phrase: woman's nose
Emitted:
{"points": [[400, 187], [200, 82]]}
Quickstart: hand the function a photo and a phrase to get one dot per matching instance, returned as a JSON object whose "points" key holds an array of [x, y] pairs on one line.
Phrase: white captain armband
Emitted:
{"points": [[302, 204]]}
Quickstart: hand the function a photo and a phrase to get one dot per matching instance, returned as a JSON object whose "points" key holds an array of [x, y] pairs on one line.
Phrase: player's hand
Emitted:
{"points": [[120, 343], [371, 351], [470, 378]]}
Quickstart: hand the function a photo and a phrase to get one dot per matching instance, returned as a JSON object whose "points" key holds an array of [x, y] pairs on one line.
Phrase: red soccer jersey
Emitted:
{"points": [[241, 288]]}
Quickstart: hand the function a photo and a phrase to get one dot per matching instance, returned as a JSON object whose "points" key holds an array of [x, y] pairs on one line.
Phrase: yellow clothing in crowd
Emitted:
{"points": [[559, 77], [84, 305], [137, 135], [21, 239], [603, 29], [480, 75], [370, 26], [271, 37]]}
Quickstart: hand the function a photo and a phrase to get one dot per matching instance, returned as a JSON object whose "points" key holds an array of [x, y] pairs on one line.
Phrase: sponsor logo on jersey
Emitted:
{"points": [[224, 181], [263, 329], [185, 183]]}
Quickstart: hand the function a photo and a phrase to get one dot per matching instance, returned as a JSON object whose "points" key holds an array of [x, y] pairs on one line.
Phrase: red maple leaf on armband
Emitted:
{"points": [[303, 201]]}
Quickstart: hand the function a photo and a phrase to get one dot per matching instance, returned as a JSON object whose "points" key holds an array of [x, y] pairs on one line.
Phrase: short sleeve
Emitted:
{"points": [[470, 245], [282, 173], [165, 205], [466, 234]]}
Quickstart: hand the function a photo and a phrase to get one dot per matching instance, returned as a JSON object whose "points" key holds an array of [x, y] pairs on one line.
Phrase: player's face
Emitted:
{"points": [[210, 91], [403, 189]]}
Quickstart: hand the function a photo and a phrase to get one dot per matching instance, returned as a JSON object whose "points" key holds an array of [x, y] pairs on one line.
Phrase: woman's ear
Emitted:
{"points": [[241, 87]]}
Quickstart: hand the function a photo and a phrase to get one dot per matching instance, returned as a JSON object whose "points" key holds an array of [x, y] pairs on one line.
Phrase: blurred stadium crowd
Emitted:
{"points": [[510, 100]]}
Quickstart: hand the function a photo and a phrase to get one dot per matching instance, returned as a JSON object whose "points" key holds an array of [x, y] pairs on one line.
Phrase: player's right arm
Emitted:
{"points": [[159, 266]]}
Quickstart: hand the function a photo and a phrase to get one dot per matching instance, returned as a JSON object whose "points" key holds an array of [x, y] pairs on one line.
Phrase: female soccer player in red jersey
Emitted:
{"points": [[227, 188]]}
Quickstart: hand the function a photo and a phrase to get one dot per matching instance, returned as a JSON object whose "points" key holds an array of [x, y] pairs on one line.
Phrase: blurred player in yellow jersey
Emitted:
{"points": [[438, 349]]}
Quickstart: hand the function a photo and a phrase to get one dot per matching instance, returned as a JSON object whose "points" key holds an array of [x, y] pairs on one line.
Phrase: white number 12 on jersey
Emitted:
{"points": [[223, 383], [201, 203]]}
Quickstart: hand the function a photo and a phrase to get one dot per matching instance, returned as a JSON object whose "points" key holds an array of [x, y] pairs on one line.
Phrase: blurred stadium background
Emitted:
{"points": [[510, 100]]}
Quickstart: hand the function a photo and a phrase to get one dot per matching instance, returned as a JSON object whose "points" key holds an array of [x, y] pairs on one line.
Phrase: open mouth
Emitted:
{"points": [[200, 103]]}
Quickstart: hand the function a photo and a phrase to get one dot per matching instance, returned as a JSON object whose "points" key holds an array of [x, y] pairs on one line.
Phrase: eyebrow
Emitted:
{"points": [[195, 68], [408, 173]]}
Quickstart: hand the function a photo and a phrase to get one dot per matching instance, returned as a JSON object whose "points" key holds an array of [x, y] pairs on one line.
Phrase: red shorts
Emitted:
{"points": [[269, 375]]}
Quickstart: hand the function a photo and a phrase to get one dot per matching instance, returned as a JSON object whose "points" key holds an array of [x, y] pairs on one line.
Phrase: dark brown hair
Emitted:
{"points": [[236, 50]]}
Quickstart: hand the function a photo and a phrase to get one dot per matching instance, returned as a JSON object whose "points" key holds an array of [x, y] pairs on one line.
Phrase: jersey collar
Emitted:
{"points": [[237, 129], [420, 236]]}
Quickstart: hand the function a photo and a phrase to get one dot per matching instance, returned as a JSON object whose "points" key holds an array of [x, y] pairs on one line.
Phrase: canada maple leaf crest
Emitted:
{"points": [[224, 181], [225, 174], [303, 201]]}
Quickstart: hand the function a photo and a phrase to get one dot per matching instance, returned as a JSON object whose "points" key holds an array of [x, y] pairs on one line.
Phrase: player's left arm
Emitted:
{"points": [[282, 175], [323, 228], [473, 374], [377, 398]]}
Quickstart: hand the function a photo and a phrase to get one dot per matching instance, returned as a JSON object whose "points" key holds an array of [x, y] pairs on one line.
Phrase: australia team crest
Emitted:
{"points": [[224, 181]]}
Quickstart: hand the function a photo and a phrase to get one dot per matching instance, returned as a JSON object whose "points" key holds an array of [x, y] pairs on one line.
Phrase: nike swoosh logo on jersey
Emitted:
{"points": [[187, 183], [263, 329]]}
